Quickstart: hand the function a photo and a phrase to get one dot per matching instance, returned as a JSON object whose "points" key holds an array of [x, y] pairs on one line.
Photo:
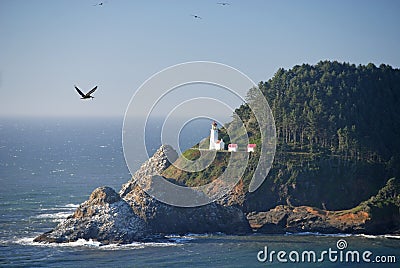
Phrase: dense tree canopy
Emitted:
{"points": [[347, 110]]}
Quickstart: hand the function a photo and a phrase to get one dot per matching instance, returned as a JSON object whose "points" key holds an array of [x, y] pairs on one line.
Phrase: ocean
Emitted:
{"points": [[49, 166]]}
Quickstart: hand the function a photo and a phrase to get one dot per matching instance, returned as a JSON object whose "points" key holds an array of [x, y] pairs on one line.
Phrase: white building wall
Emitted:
{"points": [[213, 139]]}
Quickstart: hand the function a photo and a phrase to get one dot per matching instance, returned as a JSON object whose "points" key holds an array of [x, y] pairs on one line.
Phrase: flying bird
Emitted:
{"points": [[87, 95], [99, 4], [223, 4], [196, 17]]}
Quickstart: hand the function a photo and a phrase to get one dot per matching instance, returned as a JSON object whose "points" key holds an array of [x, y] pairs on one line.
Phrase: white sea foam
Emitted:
{"points": [[317, 234], [198, 235], [138, 245], [24, 241], [57, 170], [55, 217], [71, 206], [369, 236], [180, 238], [83, 242], [58, 213], [392, 236], [380, 236], [79, 243], [28, 241]]}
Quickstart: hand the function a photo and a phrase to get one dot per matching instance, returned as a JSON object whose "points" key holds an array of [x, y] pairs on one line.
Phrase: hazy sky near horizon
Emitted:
{"points": [[49, 46]]}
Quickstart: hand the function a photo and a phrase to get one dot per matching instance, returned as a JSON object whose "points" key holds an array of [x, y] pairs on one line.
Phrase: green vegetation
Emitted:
{"points": [[384, 208], [341, 109], [213, 171], [338, 137], [388, 195]]}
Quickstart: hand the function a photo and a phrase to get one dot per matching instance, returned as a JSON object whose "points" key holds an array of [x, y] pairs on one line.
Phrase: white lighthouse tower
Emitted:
{"points": [[213, 136], [215, 144]]}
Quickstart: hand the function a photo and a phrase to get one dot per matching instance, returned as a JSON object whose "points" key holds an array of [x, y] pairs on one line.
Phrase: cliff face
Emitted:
{"points": [[133, 215], [282, 219], [163, 218], [297, 179]]}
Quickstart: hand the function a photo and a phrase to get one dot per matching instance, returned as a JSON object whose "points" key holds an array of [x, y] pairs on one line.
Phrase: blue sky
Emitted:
{"points": [[49, 46]]}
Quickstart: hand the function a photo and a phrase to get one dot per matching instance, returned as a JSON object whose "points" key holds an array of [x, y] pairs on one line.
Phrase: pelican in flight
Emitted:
{"points": [[196, 17], [223, 4], [87, 95]]}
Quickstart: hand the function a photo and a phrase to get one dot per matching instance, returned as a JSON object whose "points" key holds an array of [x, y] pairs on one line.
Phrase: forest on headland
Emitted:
{"points": [[339, 108], [338, 138]]}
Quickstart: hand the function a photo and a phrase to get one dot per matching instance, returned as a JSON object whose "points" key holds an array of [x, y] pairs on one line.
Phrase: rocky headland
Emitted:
{"points": [[133, 215], [336, 168]]}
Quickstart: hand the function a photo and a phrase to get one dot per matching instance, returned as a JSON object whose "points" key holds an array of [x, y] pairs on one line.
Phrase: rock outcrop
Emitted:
{"points": [[105, 217], [378, 215], [163, 218], [282, 219], [155, 165], [166, 219]]}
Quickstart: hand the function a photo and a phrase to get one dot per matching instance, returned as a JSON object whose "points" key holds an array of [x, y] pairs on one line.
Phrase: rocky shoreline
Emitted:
{"points": [[132, 215], [283, 219]]}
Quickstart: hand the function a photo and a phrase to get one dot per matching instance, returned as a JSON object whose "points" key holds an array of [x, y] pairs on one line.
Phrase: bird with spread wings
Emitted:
{"points": [[87, 95]]}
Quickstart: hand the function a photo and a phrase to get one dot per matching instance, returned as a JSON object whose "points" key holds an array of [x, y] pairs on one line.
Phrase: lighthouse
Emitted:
{"points": [[215, 143]]}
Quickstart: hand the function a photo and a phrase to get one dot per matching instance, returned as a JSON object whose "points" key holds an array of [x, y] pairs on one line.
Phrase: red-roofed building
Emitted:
{"points": [[232, 147], [251, 147]]}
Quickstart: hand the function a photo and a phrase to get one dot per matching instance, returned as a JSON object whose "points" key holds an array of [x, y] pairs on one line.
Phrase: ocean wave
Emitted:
{"points": [[389, 236], [58, 213], [317, 234], [368, 236], [55, 217], [392, 236], [205, 234], [70, 206], [138, 245], [180, 238], [28, 241], [57, 170]]}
